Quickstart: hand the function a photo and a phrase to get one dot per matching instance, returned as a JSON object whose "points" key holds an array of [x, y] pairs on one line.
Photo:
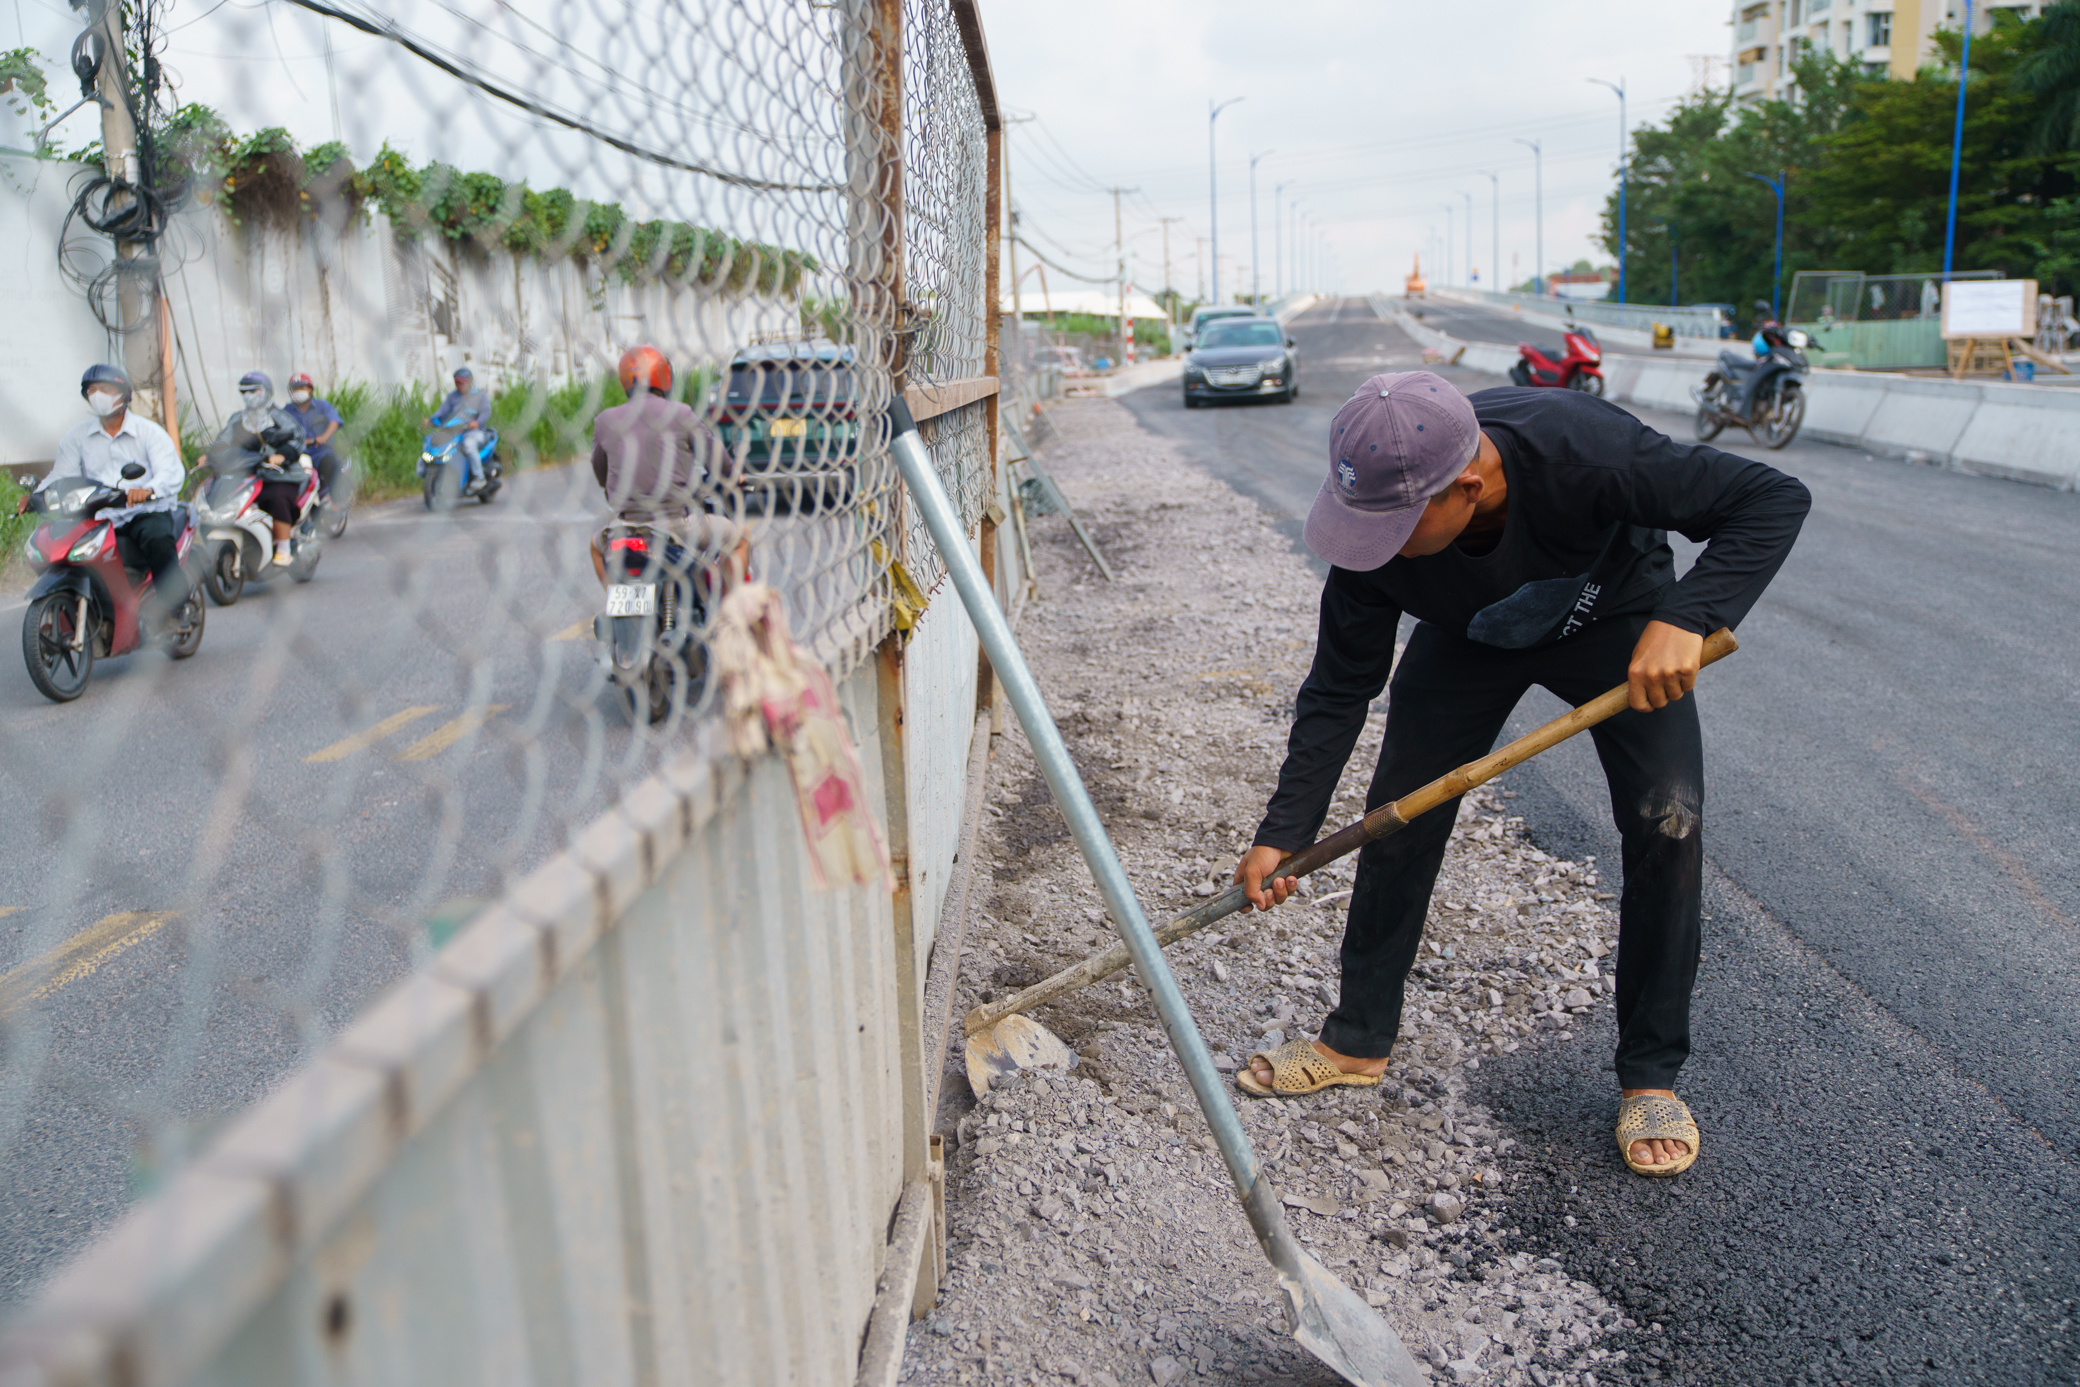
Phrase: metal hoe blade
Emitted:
{"points": [[1328, 1318]]}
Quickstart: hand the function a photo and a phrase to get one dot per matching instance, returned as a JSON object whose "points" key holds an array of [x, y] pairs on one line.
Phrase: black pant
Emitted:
{"points": [[1450, 698], [328, 468], [151, 541], [278, 499]]}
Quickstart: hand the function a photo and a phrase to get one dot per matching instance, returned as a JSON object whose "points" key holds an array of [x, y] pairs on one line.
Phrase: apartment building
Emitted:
{"points": [[1889, 37]]}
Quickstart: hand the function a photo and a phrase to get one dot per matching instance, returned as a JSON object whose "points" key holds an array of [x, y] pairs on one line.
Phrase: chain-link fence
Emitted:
{"points": [[381, 653]]}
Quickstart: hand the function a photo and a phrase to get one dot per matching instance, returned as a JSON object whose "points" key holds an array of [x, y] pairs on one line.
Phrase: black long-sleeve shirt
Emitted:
{"points": [[1592, 495]]}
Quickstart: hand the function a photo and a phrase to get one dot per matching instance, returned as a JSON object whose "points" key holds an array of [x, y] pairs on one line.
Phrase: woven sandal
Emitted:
{"points": [[1652, 1118], [1297, 1068]]}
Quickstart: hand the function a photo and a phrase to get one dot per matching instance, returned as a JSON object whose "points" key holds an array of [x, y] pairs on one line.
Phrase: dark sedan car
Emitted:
{"points": [[1241, 357]]}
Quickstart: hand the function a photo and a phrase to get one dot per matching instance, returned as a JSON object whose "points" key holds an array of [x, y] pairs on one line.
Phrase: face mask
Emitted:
{"points": [[104, 404], [302, 397]]}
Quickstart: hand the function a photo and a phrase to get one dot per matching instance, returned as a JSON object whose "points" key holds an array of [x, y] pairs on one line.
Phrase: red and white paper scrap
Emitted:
{"points": [[774, 695]]}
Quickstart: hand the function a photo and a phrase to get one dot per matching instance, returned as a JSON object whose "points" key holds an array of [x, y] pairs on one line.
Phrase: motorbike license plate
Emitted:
{"points": [[789, 428], [632, 599]]}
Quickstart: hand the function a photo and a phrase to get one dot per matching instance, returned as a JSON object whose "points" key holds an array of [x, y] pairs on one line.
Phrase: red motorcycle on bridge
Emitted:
{"points": [[1579, 366]]}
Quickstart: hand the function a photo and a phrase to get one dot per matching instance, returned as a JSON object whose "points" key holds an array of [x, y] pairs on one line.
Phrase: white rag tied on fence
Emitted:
{"points": [[774, 695]]}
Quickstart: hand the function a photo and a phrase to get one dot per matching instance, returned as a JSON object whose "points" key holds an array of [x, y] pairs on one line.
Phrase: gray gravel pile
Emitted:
{"points": [[1094, 1233]]}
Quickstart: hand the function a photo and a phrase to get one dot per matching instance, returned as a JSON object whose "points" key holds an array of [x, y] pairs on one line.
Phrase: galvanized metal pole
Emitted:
{"points": [[1213, 201]]}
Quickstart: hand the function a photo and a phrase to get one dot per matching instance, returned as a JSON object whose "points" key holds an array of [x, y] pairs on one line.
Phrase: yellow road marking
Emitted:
{"points": [[361, 741], [7, 910], [576, 631], [79, 956], [449, 733]]}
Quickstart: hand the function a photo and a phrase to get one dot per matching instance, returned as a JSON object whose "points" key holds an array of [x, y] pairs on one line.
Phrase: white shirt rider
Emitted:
{"points": [[91, 450]]}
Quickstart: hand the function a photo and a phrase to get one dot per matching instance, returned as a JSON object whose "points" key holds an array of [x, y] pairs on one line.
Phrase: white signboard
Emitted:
{"points": [[1990, 308]]}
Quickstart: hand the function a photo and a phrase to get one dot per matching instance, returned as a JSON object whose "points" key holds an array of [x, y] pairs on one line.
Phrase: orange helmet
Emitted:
{"points": [[647, 365]]}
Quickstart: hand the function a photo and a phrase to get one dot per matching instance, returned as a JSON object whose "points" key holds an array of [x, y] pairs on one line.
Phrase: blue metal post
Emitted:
{"points": [[1964, 74], [1776, 278]]}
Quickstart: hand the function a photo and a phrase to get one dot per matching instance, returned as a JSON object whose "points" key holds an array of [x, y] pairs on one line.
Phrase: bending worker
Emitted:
{"points": [[1525, 530]]}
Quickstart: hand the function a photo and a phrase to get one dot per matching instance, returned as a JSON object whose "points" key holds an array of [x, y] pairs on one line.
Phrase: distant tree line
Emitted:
{"points": [[1868, 165]]}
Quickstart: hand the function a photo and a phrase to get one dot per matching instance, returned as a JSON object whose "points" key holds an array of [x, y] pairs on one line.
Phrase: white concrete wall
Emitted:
{"points": [[341, 302]]}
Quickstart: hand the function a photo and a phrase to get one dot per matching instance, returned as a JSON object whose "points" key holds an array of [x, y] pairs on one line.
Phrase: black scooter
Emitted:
{"points": [[1772, 386]]}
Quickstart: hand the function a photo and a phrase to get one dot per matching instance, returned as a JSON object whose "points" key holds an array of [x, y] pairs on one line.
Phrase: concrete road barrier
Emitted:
{"points": [[2026, 433]]}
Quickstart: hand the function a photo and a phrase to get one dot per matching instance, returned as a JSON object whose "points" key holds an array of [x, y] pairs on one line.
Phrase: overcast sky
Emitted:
{"points": [[1377, 113]]}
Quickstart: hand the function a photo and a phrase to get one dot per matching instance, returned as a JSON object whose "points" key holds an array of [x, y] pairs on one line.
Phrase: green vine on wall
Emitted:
{"points": [[263, 179]]}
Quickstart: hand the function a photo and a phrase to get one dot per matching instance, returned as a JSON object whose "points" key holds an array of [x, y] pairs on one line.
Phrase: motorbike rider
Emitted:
{"points": [[470, 408], [1769, 334], [147, 526], [658, 461], [319, 422], [268, 435]]}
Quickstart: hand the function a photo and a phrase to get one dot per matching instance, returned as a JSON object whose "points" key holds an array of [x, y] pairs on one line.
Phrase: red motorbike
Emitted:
{"points": [[86, 603], [1579, 366]]}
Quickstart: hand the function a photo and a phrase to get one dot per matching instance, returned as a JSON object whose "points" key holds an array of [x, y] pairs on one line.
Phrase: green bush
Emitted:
{"points": [[382, 430], [14, 529]]}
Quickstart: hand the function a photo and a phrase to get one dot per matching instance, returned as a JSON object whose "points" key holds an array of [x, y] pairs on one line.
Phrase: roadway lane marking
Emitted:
{"points": [[78, 956], [361, 741], [7, 910], [576, 631], [448, 733]]}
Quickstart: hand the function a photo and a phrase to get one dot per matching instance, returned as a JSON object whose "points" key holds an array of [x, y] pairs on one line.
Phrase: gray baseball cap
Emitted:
{"points": [[1393, 446]]}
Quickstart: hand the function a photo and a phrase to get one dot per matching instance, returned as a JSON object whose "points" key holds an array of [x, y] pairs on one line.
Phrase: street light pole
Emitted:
{"points": [[1776, 277], [1495, 228], [1469, 236], [1213, 200], [1449, 210], [1278, 273], [1619, 87], [1256, 286], [1538, 215], [1964, 75]]}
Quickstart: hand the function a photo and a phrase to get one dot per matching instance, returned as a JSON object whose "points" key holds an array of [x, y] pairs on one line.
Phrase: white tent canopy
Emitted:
{"points": [[1103, 303]]}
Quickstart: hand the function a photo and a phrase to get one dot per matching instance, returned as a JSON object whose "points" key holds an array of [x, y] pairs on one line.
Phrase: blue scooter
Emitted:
{"points": [[441, 466]]}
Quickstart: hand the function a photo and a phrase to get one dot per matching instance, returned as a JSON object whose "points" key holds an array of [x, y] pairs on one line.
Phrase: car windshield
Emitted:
{"points": [[1241, 335]]}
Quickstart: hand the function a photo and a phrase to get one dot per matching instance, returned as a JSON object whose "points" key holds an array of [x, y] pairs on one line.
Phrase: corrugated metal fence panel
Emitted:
{"points": [[939, 669], [679, 1169]]}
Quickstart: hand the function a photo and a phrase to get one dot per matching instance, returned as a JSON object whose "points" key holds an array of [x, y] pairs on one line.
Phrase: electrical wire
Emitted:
{"points": [[463, 73], [1064, 269]]}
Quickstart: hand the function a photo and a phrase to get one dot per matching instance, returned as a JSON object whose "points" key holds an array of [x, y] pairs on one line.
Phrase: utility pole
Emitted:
{"points": [[137, 299], [1619, 87], [1199, 259], [1538, 214], [1011, 224], [1256, 284], [1169, 289], [1213, 201], [1448, 211], [1119, 245], [1495, 212]]}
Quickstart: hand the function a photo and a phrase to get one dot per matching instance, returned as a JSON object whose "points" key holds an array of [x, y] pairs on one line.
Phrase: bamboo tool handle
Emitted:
{"points": [[1346, 840]]}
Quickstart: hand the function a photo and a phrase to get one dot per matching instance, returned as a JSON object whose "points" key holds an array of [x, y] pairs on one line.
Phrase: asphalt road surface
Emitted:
{"points": [[212, 865], [1888, 1018]]}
